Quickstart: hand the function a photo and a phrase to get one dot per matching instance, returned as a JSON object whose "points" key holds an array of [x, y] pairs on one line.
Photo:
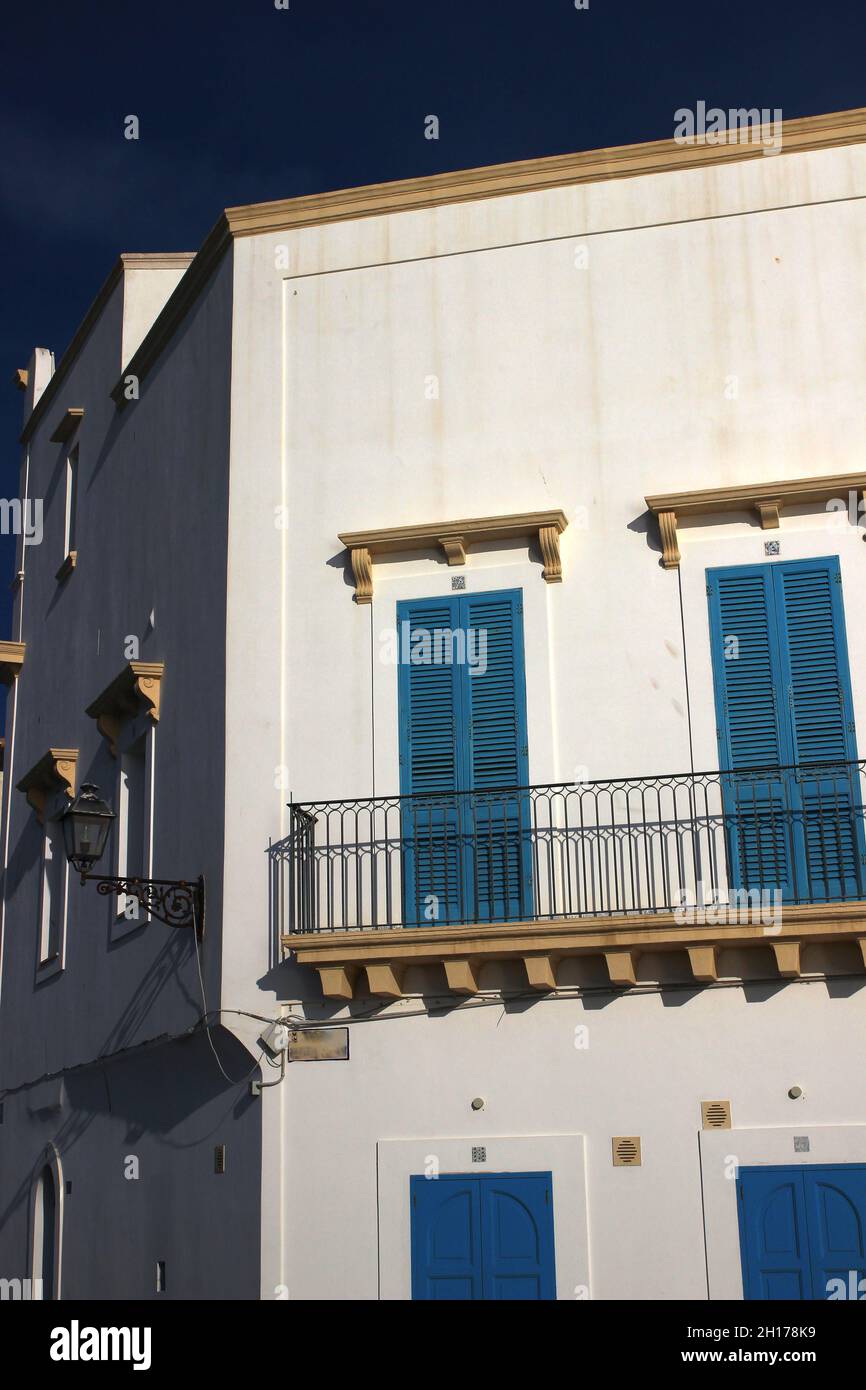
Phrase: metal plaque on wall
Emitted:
{"points": [[319, 1045]]}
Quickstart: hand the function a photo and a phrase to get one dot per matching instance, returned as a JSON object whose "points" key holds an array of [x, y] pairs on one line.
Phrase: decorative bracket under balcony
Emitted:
{"points": [[384, 955], [11, 660], [766, 500], [136, 690], [454, 537], [55, 772]]}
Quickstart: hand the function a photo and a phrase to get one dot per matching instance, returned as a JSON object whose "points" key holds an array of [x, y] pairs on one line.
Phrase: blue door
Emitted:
{"points": [[465, 817], [801, 1227], [488, 1237], [785, 726]]}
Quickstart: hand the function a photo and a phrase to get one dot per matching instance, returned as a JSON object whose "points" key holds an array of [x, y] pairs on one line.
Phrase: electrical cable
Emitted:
{"points": [[233, 1081]]}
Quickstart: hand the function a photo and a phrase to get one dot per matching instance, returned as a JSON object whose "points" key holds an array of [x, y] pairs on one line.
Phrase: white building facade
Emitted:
{"points": [[495, 542]]}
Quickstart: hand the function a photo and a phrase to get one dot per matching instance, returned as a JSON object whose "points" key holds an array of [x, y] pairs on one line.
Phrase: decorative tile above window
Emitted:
{"points": [[453, 538]]}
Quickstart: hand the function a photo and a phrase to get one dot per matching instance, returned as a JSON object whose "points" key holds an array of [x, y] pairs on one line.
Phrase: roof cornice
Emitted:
{"points": [[801, 134]]}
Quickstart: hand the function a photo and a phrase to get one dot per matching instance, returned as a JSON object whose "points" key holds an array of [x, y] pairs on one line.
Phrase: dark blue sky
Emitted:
{"points": [[241, 102]]}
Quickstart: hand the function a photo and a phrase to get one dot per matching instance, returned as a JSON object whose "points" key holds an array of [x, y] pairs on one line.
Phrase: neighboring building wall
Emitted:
{"points": [[135, 1136], [591, 345], [151, 534]]}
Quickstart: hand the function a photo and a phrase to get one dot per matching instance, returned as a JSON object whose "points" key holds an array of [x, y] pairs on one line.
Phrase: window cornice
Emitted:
{"points": [[453, 538], [766, 500]]}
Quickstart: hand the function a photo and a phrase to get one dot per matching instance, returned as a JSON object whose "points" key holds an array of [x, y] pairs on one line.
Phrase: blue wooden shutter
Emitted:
{"points": [[815, 672], [498, 863], [751, 732], [431, 756], [463, 730]]}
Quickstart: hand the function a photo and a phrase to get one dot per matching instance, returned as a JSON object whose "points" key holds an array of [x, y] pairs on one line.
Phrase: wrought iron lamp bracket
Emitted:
{"points": [[173, 901]]}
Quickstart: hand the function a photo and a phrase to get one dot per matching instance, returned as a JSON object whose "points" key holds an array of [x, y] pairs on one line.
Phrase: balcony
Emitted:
{"points": [[692, 862]]}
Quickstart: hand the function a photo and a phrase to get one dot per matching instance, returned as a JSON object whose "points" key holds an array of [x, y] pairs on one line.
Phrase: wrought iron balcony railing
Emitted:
{"points": [[607, 848]]}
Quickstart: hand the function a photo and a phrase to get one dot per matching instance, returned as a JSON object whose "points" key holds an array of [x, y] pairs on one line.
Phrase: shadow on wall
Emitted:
{"points": [[646, 525], [171, 1094]]}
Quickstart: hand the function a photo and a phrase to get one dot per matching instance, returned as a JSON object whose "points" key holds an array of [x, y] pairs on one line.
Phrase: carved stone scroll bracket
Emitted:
{"points": [[548, 540], [55, 772], [137, 690], [362, 569], [670, 545]]}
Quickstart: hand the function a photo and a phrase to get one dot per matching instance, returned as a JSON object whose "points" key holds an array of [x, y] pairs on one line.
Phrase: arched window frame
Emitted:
{"points": [[50, 1159]]}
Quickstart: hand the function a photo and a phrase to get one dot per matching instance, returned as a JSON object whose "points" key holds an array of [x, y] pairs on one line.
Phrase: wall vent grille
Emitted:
{"points": [[626, 1151], [716, 1114]]}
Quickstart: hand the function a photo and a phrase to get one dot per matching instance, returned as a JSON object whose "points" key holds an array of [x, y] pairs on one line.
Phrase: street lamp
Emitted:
{"points": [[86, 826]]}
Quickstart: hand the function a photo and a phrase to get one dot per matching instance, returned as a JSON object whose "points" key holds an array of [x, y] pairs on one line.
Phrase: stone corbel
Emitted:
{"points": [[338, 981], [462, 976], [385, 980], [704, 963], [137, 690], [548, 540], [455, 549], [768, 512], [621, 968], [540, 972], [668, 533], [55, 772], [787, 955], [11, 660], [362, 569]]}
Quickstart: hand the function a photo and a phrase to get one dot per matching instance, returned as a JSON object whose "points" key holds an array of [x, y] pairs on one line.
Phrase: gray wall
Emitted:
{"points": [[167, 1107], [151, 536]]}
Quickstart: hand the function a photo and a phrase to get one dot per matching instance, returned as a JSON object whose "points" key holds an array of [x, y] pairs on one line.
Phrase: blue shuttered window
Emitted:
{"points": [[815, 668], [463, 754], [783, 701], [431, 761]]}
